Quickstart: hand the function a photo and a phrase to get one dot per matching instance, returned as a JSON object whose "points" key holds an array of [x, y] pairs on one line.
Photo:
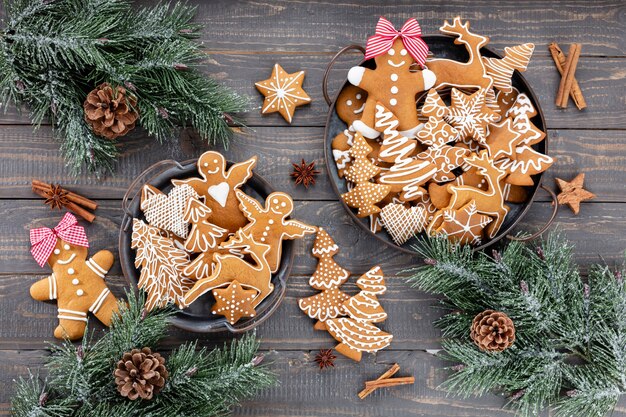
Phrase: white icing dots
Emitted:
{"points": [[358, 96], [66, 247], [71, 271], [393, 102], [394, 77], [75, 281], [57, 251], [349, 102], [80, 293], [392, 52], [394, 90]]}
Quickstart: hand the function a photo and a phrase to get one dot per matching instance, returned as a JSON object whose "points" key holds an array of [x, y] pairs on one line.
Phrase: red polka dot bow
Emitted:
{"points": [[43, 239], [386, 34]]}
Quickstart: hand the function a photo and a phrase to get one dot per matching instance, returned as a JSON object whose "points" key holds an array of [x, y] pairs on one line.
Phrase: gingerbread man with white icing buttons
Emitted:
{"points": [[218, 187], [77, 283], [393, 83], [269, 225]]}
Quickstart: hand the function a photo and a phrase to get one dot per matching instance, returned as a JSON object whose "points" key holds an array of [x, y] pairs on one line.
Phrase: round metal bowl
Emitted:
{"points": [[443, 47], [198, 317]]}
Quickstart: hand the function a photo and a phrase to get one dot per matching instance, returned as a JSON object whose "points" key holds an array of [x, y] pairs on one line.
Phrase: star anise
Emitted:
{"points": [[325, 358], [56, 197], [304, 173]]}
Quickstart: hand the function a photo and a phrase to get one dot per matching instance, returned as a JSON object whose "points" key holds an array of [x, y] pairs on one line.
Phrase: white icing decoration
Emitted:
{"points": [[219, 192]]}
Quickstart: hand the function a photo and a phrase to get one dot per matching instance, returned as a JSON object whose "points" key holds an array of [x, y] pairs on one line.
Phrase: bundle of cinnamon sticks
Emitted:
{"points": [[385, 381], [56, 196], [566, 65]]}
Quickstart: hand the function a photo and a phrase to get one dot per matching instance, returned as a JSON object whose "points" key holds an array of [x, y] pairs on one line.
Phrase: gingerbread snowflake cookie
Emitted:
{"points": [[283, 92]]}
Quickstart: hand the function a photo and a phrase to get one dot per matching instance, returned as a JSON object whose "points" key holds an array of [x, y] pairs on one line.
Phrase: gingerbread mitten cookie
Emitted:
{"points": [[218, 186], [77, 283]]}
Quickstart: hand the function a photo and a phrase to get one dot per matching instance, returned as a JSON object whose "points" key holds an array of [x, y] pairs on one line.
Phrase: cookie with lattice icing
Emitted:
{"points": [[401, 222], [234, 302], [165, 211], [283, 92]]}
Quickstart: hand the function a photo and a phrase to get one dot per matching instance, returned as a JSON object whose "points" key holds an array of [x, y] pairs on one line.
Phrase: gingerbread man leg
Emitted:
{"points": [[71, 324]]}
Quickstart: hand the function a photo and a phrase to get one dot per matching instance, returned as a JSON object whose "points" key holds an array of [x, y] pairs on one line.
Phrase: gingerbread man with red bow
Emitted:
{"points": [[77, 283], [393, 82]]}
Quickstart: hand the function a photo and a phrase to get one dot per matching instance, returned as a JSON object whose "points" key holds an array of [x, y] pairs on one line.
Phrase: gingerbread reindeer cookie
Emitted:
{"points": [[269, 224], [77, 283], [392, 83], [218, 186]]}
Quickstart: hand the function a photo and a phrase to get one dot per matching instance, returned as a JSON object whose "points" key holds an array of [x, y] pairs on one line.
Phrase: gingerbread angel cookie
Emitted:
{"points": [[269, 224], [392, 82], [77, 283], [218, 186]]}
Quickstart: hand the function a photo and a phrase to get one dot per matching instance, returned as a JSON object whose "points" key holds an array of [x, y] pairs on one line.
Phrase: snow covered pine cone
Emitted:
{"points": [[110, 112], [140, 374], [493, 331]]}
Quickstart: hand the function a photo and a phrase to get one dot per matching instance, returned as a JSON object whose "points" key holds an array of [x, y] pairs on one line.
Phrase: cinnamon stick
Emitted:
{"points": [[559, 61], [76, 198], [390, 372], [569, 70], [76, 209], [390, 382]]}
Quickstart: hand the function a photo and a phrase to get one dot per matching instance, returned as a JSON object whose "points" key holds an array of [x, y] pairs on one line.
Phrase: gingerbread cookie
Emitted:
{"points": [[365, 194], [229, 267], [356, 333], [462, 226], [350, 104], [403, 223], [501, 70], [471, 74], [327, 278], [204, 235], [341, 145], [166, 211], [269, 224], [443, 157], [505, 101], [490, 199], [527, 162], [502, 140], [521, 112], [234, 302], [470, 115], [392, 83], [218, 186], [434, 106], [162, 265], [283, 92], [77, 283]]}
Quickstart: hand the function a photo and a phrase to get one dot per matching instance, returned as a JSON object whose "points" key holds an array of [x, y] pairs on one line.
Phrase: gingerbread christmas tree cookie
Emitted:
{"points": [[283, 92]]}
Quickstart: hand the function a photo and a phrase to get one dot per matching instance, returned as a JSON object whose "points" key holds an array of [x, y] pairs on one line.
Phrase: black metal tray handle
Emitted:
{"points": [[546, 226], [330, 67]]}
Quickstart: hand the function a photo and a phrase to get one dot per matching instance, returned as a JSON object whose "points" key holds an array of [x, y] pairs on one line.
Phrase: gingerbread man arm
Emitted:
{"points": [[294, 229], [243, 169], [361, 77], [45, 289], [426, 77], [100, 263], [192, 182]]}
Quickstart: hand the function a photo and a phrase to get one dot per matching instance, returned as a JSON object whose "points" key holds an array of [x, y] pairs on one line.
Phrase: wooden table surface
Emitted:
{"points": [[243, 40]]}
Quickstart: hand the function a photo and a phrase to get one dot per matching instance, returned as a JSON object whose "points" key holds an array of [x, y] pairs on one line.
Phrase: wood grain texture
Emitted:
{"points": [[600, 154]]}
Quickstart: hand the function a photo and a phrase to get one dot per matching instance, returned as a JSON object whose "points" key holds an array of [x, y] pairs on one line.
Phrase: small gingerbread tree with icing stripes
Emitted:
{"points": [[356, 333], [327, 278]]}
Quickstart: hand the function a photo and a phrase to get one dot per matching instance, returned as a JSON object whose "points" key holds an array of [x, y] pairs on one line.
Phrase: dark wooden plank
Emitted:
{"points": [[307, 392], [295, 27], [596, 231], [600, 154], [602, 80]]}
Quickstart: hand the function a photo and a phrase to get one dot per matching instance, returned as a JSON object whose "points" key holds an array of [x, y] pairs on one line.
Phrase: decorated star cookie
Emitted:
{"points": [[283, 92], [234, 302], [166, 211], [469, 115], [269, 224], [502, 140], [501, 70], [403, 223], [77, 283], [463, 226], [162, 265], [356, 333], [392, 83], [218, 186], [365, 194], [228, 267], [327, 278]]}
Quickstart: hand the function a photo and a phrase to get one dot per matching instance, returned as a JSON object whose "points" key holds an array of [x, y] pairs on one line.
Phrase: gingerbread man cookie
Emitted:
{"points": [[395, 86], [269, 224], [77, 283], [218, 186], [350, 104]]}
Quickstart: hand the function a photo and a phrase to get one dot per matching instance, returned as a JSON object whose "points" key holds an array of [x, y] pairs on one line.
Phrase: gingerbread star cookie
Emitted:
{"points": [[502, 140], [283, 92], [572, 193], [218, 187], [234, 302]]}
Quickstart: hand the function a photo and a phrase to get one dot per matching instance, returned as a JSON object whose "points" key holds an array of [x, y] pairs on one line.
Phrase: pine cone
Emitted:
{"points": [[493, 331], [110, 113], [140, 374]]}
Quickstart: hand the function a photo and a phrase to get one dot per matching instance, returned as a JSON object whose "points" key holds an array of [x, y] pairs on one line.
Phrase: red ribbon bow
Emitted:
{"points": [[386, 34], [43, 239]]}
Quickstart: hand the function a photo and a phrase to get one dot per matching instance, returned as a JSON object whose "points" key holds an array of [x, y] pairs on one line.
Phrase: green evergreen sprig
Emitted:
{"points": [[52, 53], [570, 349], [201, 383]]}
